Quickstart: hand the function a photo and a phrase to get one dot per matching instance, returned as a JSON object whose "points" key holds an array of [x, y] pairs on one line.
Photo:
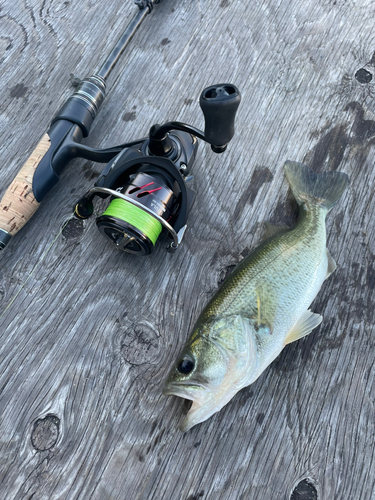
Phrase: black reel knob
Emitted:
{"points": [[133, 227], [84, 208], [219, 104]]}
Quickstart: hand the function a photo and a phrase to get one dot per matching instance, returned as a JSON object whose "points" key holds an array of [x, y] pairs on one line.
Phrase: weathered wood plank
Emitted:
{"points": [[87, 343]]}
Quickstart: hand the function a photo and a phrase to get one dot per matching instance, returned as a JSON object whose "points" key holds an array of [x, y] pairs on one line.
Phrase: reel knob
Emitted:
{"points": [[219, 105], [84, 208]]}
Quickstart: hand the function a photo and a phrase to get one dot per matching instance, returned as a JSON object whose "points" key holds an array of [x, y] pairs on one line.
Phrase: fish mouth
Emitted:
{"points": [[205, 401], [186, 390], [200, 410]]}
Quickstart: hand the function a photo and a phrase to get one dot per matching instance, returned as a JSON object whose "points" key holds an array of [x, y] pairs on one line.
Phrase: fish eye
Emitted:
{"points": [[185, 365]]}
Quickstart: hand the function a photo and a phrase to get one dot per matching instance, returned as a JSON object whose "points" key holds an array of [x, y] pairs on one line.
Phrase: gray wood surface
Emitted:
{"points": [[87, 343]]}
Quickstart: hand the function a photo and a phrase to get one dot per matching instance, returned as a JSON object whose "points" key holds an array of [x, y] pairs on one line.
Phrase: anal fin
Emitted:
{"points": [[307, 322], [331, 263]]}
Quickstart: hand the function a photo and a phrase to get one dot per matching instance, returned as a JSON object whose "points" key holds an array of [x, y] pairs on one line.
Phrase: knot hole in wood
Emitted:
{"points": [[73, 229], [140, 344], [304, 490], [45, 432]]}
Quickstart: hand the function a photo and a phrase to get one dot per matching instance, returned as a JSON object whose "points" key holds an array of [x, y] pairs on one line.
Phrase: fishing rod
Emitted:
{"points": [[60, 143], [145, 180]]}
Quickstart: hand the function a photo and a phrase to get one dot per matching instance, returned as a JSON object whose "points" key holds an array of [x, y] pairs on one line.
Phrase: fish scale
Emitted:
{"points": [[267, 264]]}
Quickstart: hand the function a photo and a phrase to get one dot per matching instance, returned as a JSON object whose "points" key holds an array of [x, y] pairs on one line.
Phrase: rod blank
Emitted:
{"points": [[124, 40]]}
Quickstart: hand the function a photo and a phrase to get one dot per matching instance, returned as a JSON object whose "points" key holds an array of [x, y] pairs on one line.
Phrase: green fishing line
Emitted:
{"points": [[136, 217]]}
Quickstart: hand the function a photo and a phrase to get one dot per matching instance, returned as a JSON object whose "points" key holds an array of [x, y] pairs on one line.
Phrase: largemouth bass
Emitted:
{"points": [[262, 306]]}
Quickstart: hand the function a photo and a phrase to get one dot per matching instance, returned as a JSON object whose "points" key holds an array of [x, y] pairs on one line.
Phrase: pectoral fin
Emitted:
{"points": [[307, 322], [265, 313], [331, 264]]}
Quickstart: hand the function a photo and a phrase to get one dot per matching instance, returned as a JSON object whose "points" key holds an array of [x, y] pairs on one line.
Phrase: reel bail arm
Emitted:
{"points": [[177, 237]]}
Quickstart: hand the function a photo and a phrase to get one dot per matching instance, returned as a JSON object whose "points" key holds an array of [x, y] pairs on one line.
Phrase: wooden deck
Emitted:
{"points": [[86, 345]]}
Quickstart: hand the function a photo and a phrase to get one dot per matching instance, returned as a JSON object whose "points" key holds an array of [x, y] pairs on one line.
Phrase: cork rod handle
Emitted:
{"points": [[18, 204]]}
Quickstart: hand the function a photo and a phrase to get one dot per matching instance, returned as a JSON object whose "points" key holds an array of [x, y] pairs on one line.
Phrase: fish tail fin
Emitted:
{"points": [[323, 189]]}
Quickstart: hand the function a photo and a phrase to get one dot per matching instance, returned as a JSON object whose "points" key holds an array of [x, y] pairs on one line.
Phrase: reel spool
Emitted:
{"points": [[146, 179], [130, 227]]}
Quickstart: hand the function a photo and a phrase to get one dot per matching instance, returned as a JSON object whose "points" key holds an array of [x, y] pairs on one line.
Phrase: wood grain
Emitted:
{"points": [[86, 346], [18, 204]]}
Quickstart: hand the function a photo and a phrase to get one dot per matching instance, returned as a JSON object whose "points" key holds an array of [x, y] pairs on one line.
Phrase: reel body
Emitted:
{"points": [[145, 181]]}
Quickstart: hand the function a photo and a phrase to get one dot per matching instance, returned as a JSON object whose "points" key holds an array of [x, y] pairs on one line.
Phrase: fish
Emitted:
{"points": [[262, 306]]}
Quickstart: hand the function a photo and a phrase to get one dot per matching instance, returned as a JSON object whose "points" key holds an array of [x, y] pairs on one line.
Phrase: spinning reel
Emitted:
{"points": [[145, 180]]}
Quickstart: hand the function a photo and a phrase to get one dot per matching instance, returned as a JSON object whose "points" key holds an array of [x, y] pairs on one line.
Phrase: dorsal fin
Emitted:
{"points": [[270, 229]]}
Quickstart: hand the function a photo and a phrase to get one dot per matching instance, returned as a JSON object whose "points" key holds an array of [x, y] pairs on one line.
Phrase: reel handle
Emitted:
{"points": [[219, 104]]}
